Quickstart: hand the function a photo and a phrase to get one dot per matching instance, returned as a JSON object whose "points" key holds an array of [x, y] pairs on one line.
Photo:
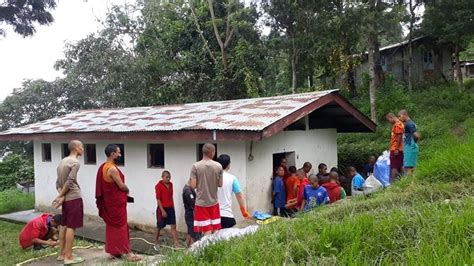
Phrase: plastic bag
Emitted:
{"points": [[382, 169], [372, 185], [224, 234]]}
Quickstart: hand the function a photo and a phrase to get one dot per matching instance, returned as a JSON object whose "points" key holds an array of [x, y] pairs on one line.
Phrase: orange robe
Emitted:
{"points": [[112, 205]]}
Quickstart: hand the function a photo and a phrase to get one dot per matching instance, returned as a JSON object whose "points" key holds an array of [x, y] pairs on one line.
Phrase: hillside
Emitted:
{"points": [[424, 220]]}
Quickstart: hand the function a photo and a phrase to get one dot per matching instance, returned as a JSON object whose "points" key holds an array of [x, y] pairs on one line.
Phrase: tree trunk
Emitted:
{"points": [[458, 68], [228, 34], [374, 74], [351, 79], [224, 57], [293, 66], [410, 47]]}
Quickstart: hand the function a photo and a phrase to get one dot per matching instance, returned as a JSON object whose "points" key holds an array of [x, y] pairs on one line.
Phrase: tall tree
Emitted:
{"points": [[36, 100], [298, 25], [229, 29], [380, 17], [22, 15], [413, 5], [451, 21]]}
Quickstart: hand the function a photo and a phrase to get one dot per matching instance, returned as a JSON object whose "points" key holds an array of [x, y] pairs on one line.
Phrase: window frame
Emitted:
{"points": [[65, 150], [199, 154], [122, 151], [427, 60], [43, 152], [151, 155], [86, 157]]}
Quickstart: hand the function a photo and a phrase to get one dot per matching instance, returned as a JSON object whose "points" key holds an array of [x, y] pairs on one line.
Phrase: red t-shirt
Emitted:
{"points": [[36, 228], [164, 194]]}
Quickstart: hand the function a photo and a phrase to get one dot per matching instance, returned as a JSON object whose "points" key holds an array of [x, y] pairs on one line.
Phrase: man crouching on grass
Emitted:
{"points": [[40, 232]]}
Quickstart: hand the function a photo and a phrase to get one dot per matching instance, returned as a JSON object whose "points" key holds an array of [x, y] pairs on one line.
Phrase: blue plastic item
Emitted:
{"points": [[260, 215], [382, 169]]}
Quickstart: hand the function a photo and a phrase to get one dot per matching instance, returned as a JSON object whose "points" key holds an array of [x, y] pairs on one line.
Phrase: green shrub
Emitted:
{"points": [[468, 84], [392, 97], [13, 200], [14, 169]]}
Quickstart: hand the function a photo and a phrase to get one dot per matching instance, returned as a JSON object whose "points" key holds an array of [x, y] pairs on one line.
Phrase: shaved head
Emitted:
{"points": [[75, 147], [209, 150], [403, 115], [313, 178], [391, 115], [403, 112], [73, 144]]}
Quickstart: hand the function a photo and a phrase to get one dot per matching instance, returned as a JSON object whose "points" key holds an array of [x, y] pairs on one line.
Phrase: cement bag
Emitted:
{"points": [[382, 169], [372, 185], [224, 234]]}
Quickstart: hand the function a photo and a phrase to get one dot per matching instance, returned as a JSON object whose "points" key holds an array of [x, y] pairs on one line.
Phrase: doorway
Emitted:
{"points": [[289, 156]]}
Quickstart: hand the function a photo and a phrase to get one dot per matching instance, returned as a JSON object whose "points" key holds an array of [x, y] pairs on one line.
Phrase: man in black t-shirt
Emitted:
{"points": [[189, 199]]}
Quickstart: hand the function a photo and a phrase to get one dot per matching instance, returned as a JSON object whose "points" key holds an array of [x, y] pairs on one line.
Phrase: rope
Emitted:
{"points": [[51, 254], [154, 245]]}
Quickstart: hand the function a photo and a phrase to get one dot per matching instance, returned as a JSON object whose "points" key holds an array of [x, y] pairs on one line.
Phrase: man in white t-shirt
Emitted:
{"points": [[224, 194]]}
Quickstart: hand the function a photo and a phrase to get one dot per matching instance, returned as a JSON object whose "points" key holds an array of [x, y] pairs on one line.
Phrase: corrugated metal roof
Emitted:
{"points": [[395, 45], [246, 114]]}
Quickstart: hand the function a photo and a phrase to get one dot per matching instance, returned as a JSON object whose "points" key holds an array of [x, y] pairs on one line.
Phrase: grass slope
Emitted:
{"points": [[427, 219]]}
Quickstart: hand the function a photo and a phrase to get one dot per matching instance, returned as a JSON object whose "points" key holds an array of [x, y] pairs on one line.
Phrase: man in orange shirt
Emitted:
{"points": [[396, 146]]}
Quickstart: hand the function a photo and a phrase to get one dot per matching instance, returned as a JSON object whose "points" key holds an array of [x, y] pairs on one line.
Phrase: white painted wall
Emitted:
{"points": [[179, 157], [315, 146]]}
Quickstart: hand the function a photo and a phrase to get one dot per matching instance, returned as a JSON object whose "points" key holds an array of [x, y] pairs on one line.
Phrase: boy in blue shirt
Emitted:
{"points": [[314, 195], [279, 194], [357, 181], [410, 146]]}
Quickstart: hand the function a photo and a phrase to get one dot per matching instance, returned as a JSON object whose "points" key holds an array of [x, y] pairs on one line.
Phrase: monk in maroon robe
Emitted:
{"points": [[111, 198]]}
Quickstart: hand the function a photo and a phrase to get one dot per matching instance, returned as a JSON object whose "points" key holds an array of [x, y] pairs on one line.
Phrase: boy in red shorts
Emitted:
{"points": [[396, 146], [165, 214], [207, 177]]}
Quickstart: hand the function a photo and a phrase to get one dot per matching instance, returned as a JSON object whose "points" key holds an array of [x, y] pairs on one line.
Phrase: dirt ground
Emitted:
{"points": [[96, 256]]}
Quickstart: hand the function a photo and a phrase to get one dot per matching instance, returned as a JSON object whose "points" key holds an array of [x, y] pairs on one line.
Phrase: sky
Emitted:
{"points": [[34, 57]]}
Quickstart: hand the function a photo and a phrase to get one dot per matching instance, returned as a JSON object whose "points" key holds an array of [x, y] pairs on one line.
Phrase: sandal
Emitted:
{"points": [[76, 260], [133, 258], [61, 257]]}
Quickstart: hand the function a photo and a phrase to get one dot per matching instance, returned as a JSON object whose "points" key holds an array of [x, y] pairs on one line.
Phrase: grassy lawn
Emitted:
{"points": [[13, 200]]}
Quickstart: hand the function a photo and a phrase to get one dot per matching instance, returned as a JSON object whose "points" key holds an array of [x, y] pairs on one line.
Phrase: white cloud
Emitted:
{"points": [[34, 57]]}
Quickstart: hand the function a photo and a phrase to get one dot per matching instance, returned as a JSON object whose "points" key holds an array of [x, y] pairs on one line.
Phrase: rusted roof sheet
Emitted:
{"points": [[246, 114]]}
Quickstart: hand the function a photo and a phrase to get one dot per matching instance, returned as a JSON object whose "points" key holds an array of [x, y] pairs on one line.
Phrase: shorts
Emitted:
{"points": [[282, 212], [190, 226], [207, 218], [227, 222], [170, 219], [73, 213], [410, 155], [396, 161]]}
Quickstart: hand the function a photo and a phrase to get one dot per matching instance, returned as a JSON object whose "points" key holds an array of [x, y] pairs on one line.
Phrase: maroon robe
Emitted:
{"points": [[112, 205]]}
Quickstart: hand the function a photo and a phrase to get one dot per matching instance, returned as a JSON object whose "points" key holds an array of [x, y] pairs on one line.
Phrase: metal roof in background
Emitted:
{"points": [[247, 114]]}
